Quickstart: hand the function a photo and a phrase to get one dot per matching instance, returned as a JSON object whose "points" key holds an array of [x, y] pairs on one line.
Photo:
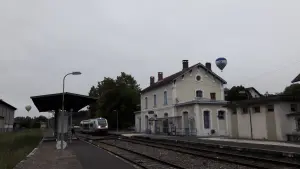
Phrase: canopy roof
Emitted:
{"points": [[51, 102]]}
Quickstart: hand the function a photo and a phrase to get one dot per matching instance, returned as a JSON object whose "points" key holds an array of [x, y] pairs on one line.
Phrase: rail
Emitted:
{"points": [[231, 157]]}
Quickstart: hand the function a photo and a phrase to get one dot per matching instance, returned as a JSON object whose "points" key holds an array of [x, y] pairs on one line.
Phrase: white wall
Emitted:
{"points": [[159, 98], [243, 124], [284, 125], [186, 87], [259, 126]]}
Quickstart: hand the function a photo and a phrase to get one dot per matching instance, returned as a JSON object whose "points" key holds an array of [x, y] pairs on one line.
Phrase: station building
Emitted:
{"points": [[188, 102]]}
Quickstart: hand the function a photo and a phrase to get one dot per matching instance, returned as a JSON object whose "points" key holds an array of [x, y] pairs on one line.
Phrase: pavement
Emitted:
{"points": [[92, 157], [77, 155]]}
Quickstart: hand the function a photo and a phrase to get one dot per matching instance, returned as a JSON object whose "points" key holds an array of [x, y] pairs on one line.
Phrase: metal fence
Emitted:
{"points": [[173, 131]]}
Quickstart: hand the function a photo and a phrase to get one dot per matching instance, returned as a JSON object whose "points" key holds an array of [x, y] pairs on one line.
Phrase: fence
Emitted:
{"points": [[175, 131]]}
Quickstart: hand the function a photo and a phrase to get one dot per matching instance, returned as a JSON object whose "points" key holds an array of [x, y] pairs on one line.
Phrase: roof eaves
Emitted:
{"points": [[297, 79], [3, 102], [179, 74]]}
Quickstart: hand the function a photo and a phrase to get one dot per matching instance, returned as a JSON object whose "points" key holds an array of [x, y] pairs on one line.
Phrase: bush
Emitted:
{"points": [[15, 146]]}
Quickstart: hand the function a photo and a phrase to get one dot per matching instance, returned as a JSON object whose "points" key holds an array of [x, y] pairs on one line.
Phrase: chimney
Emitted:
{"points": [[185, 64], [208, 65], [152, 80], [160, 76]]}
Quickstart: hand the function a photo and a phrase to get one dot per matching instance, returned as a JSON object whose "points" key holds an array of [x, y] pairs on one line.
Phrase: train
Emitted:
{"points": [[94, 126]]}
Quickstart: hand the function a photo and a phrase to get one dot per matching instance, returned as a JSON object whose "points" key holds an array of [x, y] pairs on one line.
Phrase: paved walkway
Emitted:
{"points": [[92, 157], [77, 155], [47, 157]]}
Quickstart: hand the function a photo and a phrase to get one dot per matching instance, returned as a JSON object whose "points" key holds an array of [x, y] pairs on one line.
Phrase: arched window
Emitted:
{"points": [[199, 93]]}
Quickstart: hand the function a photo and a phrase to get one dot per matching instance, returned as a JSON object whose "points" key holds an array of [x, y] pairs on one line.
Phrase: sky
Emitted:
{"points": [[42, 40]]}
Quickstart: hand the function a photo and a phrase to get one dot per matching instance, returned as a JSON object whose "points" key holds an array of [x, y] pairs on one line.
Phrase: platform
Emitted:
{"points": [[283, 147], [77, 155], [92, 157]]}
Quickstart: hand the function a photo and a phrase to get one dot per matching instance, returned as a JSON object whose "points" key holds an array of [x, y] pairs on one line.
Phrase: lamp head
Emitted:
{"points": [[76, 73]]}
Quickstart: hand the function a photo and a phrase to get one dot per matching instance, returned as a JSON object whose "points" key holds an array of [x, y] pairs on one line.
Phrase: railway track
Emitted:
{"points": [[229, 157], [136, 158]]}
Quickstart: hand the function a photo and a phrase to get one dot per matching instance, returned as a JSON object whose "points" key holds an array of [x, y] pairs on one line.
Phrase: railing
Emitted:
{"points": [[293, 137], [176, 131]]}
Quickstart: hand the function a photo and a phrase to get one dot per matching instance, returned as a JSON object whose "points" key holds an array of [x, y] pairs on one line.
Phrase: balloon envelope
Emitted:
{"points": [[28, 108], [221, 63]]}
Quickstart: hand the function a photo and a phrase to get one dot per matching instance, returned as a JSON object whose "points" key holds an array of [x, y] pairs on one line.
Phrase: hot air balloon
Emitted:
{"points": [[221, 63], [28, 108]]}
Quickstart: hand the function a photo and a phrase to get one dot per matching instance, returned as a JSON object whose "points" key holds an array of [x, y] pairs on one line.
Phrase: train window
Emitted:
{"points": [[101, 122]]}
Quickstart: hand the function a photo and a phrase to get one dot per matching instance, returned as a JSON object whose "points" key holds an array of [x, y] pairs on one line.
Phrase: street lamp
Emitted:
{"points": [[248, 110], [63, 107], [117, 120]]}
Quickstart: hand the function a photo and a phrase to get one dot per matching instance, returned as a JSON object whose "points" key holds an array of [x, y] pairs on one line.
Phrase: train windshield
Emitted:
{"points": [[101, 121]]}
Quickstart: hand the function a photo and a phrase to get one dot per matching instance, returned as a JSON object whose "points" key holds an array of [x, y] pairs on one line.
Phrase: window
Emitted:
{"points": [[206, 119], [165, 98], [154, 100], [293, 107], [146, 102], [221, 115], [182, 77], [298, 124], [199, 93], [245, 110], [213, 96], [256, 109], [174, 82], [198, 77], [270, 108], [191, 72]]}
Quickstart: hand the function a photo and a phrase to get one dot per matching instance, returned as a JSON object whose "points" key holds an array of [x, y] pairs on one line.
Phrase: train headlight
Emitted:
{"points": [[99, 127]]}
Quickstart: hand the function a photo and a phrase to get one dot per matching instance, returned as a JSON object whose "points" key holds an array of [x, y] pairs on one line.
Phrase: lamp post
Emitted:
{"points": [[117, 120], [248, 110], [63, 108]]}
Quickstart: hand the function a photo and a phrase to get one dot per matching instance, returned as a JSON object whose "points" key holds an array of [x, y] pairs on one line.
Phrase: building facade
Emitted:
{"points": [[7, 114], [266, 118], [189, 102]]}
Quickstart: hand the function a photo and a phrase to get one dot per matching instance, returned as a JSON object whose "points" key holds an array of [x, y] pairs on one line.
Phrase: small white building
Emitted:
{"points": [[7, 115], [188, 102], [275, 117]]}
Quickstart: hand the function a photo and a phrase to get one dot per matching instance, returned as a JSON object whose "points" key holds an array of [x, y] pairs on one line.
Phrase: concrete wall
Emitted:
{"points": [[186, 87], [8, 116]]}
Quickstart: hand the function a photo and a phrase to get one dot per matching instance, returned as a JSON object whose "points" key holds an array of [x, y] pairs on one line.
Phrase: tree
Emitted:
{"points": [[120, 95], [234, 94], [293, 89]]}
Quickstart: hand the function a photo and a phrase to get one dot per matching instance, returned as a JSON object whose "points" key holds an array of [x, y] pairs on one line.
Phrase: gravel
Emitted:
{"points": [[180, 159]]}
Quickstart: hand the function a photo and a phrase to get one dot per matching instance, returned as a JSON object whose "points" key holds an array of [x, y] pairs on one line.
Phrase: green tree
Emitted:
{"points": [[293, 89], [120, 95], [234, 94]]}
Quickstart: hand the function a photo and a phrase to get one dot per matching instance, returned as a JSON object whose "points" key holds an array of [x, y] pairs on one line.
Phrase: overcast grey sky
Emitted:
{"points": [[40, 41]]}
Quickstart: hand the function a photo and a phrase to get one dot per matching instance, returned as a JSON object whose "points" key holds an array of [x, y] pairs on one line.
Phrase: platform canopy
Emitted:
{"points": [[52, 102]]}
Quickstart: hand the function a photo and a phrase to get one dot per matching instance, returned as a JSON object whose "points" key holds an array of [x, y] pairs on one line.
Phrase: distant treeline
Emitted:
{"points": [[28, 122]]}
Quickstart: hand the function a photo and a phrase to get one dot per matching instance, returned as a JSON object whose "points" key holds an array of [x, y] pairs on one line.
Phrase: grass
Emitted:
{"points": [[15, 146]]}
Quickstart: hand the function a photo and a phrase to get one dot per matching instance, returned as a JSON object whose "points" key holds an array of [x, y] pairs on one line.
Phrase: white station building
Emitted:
{"points": [[188, 102]]}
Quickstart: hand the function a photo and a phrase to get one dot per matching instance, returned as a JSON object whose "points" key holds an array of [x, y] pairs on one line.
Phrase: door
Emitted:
{"points": [[222, 123], [139, 128], [206, 122], [1, 124]]}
